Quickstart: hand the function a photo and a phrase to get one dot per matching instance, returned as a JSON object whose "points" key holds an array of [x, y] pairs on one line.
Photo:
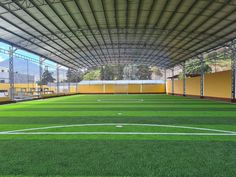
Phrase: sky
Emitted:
{"points": [[22, 52]]}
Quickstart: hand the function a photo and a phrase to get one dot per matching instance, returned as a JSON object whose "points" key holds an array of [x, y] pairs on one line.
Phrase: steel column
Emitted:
{"points": [[68, 79], [28, 74], [11, 73], [41, 60], [233, 75], [77, 82], [202, 76], [165, 79], [172, 81], [58, 79], [184, 80]]}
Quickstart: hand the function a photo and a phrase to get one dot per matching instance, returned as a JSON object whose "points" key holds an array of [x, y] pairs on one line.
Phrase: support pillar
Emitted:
{"points": [[172, 82], [202, 77], [77, 82], [233, 75], [41, 60], [184, 80], [58, 79], [28, 79], [68, 79], [11, 73], [165, 79]]}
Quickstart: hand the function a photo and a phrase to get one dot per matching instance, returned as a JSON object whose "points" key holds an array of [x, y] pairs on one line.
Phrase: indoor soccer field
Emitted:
{"points": [[118, 135]]}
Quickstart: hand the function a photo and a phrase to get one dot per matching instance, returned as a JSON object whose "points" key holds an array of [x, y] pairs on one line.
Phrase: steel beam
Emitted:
{"points": [[233, 75]]}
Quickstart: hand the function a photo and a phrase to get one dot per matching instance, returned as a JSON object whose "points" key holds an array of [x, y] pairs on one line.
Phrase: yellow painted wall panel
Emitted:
{"points": [[91, 88], [153, 88], [168, 87], [3, 99], [121, 88], [193, 86], [109, 88], [218, 84], [178, 87], [134, 88]]}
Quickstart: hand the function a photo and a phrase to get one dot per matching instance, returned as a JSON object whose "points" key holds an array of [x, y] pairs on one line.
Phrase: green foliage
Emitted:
{"points": [[112, 72], [74, 76], [144, 72], [46, 78], [92, 75], [107, 73], [194, 67], [120, 72], [156, 71]]}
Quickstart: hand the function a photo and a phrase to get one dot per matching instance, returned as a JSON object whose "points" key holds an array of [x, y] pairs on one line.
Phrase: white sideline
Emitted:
{"points": [[123, 124], [116, 133]]}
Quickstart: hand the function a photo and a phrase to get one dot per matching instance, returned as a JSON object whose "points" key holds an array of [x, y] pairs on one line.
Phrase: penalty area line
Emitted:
{"points": [[117, 133]]}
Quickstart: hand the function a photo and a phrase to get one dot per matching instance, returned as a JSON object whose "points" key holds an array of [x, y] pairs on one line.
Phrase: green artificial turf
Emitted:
{"points": [[118, 155]]}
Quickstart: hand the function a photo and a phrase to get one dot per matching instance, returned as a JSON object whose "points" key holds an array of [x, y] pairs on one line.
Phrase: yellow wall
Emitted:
{"points": [[178, 87], [168, 87], [153, 88], [193, 86], [90, 88], [134, 88], [122, 88], [109, 88], [3, 99], [215, 85], [218, 84]]}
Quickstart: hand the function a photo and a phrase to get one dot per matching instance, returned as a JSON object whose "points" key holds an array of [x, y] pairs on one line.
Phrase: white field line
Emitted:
{"points": [[116, 133], [123, 124]]}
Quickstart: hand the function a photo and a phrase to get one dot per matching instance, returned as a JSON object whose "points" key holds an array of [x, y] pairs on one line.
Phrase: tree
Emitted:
{"points": [[194, 67], [107, 73], [74, 76], [156, 73], [120, 69], [46, 78], [130, 72], [144, 72], [92, 75]]}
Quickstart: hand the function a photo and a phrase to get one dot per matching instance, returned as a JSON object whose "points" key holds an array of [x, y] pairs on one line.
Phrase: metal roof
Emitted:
{"points": [[87, 33]]}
